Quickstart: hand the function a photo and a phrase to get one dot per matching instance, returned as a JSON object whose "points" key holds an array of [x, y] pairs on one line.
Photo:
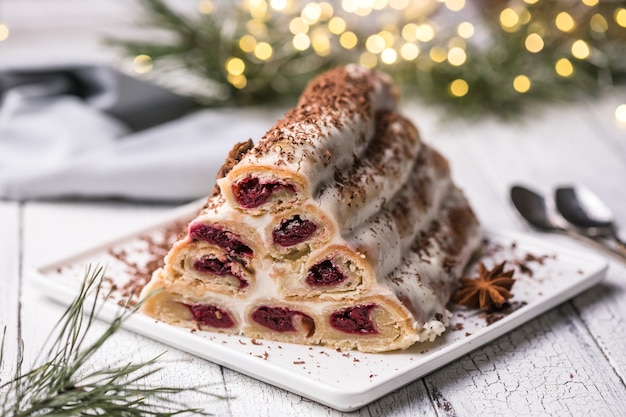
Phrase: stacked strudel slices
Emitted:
{"points": [[340, 227]]}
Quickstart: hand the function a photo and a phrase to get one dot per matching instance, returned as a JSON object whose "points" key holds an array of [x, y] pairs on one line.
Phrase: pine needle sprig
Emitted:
{"points": [[64, 383]]}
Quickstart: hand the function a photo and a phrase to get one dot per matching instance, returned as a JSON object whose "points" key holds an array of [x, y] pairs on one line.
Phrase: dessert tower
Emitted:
{"points": [[340, 227]]}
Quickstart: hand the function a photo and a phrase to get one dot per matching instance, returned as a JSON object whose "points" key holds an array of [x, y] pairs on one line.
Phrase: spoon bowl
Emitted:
{"points": [[534, 209], [584, 209]]}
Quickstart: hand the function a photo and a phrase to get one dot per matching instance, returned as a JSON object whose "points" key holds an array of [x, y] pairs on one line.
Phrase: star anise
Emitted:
{"points": [[488, 291]]}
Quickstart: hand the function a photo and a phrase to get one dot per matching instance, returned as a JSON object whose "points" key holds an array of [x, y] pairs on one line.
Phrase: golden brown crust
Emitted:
{"points": [[391, 325], [235, 155]]}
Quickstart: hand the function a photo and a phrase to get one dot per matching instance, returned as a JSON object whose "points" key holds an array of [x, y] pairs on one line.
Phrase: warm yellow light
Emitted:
{"points": [[409, 32], [509, 19], [379, 4], [4, 32], [534, 43], [298, 25], [389, 38], [521, 84], [580, 49], [389, 56], [565, 22], [438, 54], [409, 51], [258, 9], [620, 17], [350, 6], [311, 13], [458, 88], [456, 56], [399, 4], [425, 32], [524, 16], [465, 30], [247, 43], [368, 60], [142, 64], [301, 41], [455, 5], [206, 6], [235, 66], [337, 25], [256, 27], [321, 43], [590, 3], [363, 11], [531, 1], [620, 114], [263, 51], [348, 40], [327, 11], [564, 67], [375, 44], [456, 42], [237, 81], [598, 23], [278, 4]]}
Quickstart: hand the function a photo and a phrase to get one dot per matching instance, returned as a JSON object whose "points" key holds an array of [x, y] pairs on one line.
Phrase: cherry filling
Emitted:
{"points": [[222, 238], [280, 319], [354, 320], [325, 273], [211, 315], [251, 192], [293, 231], [218, 267]]}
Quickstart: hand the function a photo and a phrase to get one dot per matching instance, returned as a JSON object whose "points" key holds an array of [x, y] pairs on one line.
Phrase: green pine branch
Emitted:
{"points": [[200, 44], [63, 383]]}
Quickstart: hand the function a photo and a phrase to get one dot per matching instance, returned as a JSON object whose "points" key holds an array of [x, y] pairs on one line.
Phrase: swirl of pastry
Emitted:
{"points": [[329, 128], [283, 321], [220, 252], [174, 305], [375, 323]]}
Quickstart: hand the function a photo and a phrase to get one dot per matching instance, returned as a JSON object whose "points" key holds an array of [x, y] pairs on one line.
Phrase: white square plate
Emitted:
{"points": [[545, 277]]}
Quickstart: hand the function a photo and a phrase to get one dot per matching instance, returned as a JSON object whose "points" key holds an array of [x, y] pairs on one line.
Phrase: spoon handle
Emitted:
{"points": [[621, 245], [617, 250]]}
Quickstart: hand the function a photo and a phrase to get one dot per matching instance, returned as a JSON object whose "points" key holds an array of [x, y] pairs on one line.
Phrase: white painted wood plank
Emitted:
{"points": [[10, 279], [247, 394], [549, 366]]}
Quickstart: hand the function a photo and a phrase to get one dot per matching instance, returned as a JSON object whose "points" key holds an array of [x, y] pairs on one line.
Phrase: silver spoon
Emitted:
{"points": [[534, 209], [584, 209]]}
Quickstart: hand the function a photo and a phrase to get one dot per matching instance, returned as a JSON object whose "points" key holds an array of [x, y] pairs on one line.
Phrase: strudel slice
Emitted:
{"points": [[401, 308], [329, 128]]}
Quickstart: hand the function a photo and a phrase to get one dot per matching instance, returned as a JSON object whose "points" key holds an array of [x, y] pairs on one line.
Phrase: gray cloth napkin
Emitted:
{"points": [[94, 132]]}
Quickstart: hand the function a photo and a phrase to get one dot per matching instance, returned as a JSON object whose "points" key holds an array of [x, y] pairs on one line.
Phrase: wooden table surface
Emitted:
{"points": [[568, 361]]}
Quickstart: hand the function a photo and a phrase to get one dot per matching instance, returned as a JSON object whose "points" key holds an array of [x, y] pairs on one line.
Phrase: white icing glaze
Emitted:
{"points": [[373, 182]]}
